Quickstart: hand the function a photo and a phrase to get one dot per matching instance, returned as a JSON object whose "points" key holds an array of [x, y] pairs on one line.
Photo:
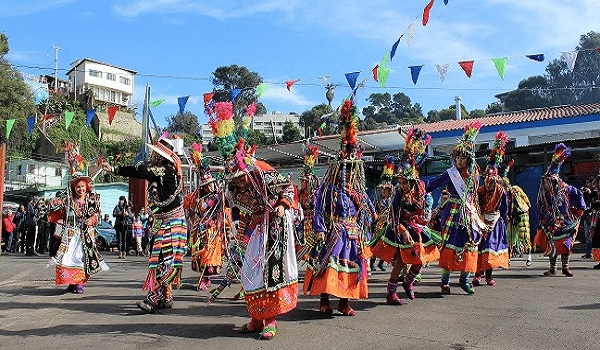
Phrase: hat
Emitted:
{"points": [[311, 152], [466, 145], [349, 149], [201, 163], [414, 154], [77, 165], [388, 172], [497, 152], [561, 153]]}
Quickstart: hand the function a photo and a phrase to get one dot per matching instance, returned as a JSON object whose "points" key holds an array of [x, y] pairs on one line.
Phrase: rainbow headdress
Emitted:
{"points": [[466, 145], [561, 153], [311, 152], [223, 128], [497, 152], [77, 165], [387, 174], [201, 163], [349, 149], [414, 154]]}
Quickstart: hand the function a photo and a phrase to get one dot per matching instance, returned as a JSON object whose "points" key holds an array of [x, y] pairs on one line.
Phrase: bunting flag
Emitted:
{"points": [[445, 2], [442, 69], [111, 113], [539, 57], [467, 66], [383, 75], [234, 93], [96, 126], [500, 63], [410, 32], [9, 125], [598, 49], [351, 78], [30, 123], [323, 79], [68, 118], [207, 97], [182, 101], [395, 46], [385, 59], [260, 90], [89, 115], [156, 103], [375, 73], [289, 83], [426, 12], [414, 73], [569, 57]]}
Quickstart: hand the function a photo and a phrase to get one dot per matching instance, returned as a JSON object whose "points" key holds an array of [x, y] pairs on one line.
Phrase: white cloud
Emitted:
{"points": [[14, 8], [280, 94]]}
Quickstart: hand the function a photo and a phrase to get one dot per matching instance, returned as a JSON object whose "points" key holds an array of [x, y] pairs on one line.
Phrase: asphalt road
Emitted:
{"points": [[523, 311]]}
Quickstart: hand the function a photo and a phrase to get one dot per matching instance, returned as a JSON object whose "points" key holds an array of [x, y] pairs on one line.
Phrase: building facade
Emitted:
{"points": [[269, 124], [23, 173], [111, 84]]}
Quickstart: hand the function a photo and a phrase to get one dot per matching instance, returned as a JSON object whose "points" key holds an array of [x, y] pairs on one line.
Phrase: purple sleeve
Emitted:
{"points": [[504, 206], [576, 198], [318, 219], [437, 182]]}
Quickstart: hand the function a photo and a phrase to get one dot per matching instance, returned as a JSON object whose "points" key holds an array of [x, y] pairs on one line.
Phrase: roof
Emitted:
{"points": [[504, 118], [99, 62]]}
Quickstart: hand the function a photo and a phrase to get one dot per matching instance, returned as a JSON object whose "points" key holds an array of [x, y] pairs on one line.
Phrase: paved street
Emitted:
{"points": [[523, 311]]}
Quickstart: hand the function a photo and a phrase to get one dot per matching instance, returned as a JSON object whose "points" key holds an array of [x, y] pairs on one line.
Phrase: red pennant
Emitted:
{"points": [[467, 66], [208, 96], [426, 12], [111, 113], [47, 116], [289, 83], [598, 49], [376, 73]]}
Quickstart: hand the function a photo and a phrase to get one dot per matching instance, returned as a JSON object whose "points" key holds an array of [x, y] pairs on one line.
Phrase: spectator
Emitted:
{"points": [[147, 241], [107, 219], [8, 227], [138, 232], [42, 226], [30, 218], [18, 220], [120, 214]]}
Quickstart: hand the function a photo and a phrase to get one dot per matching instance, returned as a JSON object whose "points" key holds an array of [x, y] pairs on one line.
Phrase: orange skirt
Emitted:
{"points": [[450, 260], [419, 254], [263, 305], [339, 284], [70, 275], [489, 260], [541, 240], [384, 251]]}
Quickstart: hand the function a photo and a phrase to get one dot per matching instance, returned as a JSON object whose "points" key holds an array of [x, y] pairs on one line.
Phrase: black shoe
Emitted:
{"points": [[146, 306], [380, 265], [597, 267], [586, 256], [165, 304]]}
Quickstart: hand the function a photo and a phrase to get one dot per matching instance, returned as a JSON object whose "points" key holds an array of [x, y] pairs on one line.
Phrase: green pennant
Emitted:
{"points": [[156, 103], [500, 64], [385, 59], [260, 90], [9, 125], [69, 118], [383, 75]]}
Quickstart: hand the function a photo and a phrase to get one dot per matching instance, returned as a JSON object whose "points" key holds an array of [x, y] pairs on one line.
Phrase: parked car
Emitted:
{"points": [[106, 236]]}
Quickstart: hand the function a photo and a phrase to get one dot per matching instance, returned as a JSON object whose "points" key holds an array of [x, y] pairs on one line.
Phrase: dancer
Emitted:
{"points": [[383, 205], [493, 249], [75, 213], [460, 223], [309, 184], [343, 213], [209, 221], [263, 201], [559, 206], [165, 187], [518, 231]]}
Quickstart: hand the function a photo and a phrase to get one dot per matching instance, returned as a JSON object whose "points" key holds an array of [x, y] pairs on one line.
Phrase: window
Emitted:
{"points": [[57, 172], [125, 81], [95, 73], [112, 97], [101, 95], [257, 123], [96, 92], [111, 77], [279, 123]]}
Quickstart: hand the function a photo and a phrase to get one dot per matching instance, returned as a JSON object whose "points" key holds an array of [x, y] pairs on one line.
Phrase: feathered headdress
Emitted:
{"points": [[508, 168], [311, 153], [561, 153], [388, 171], [414, 153], [466, 145], [349, 121], [201, 163], [223, 128], [497, 152], [77, 165]]}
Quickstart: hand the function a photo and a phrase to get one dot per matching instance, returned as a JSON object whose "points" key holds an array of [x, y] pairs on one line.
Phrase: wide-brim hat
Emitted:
{"points": [[80, 176], [206, 179], [162, 151]]}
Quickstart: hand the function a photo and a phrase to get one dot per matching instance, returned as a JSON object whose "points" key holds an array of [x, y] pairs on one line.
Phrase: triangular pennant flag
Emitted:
{"points": [[538, 57], [30, 123], [260, 90], [385, 59], [156, 103], [68, 118], [383, 75], [395, 46], [89, 115], [96, 126], [375, 73], [208, 96], [500, 63], [426, 12], [233, 93], [289, 83], [410, 32], [351, 78], [9, 125], [445, 2], [323, 79], [111, 113], [442, 69], [598, 49], [467, 66], [414, 73], [182, 101], [570, 57]]}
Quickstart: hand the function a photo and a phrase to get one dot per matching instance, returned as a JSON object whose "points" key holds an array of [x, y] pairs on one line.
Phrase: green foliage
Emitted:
{"points": [[311, 120], [495, 107], [256, 137], [290, 132], [185, 125], [385, 109]]}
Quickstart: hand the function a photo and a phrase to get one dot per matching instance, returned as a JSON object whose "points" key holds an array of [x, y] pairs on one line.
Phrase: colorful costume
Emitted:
{"points": [[77, 257], [559, 207], [309, 184], [343, 213], [518, 230], [170, 226], [460, 224], [493, 248]]}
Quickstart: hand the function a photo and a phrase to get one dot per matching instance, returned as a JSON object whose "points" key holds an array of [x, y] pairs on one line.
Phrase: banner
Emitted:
{"points": [[570, 57], [208, 96], [233, 93], [467, 66], [9, 126], [156, 103], [351, 78], [69, 118], [539, 57], [442, 69], [260, 90], [426, 12], [182, 101], [394, 47], [414, 73]]}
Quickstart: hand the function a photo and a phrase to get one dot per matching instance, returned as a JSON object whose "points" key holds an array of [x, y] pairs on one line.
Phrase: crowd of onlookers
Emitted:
{"points": [[27, 229]]}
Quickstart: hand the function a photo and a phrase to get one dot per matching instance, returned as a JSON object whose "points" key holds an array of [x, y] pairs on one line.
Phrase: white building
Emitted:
{"points": [[265, 123], [23, 173], [110, 83]]}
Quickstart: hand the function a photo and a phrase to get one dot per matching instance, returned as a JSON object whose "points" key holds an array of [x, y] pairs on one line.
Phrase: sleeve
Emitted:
{"points": [[318, 219], [577, 200], [437, 182], [287, 197], [141, 170], [504, 206], [117, 211]]}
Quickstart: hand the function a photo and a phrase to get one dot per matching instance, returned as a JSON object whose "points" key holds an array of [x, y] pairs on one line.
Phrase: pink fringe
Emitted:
{"points": [[150, 283]]}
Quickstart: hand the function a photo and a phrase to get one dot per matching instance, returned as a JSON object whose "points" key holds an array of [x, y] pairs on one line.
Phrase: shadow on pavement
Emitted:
{"points": [[595, 306]]}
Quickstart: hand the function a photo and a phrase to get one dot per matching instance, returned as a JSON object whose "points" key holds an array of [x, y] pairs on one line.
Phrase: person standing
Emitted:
{"points": [[8, 229], [30, 227], [18, 221], [559, 206], [518, 231], [120, 214]]}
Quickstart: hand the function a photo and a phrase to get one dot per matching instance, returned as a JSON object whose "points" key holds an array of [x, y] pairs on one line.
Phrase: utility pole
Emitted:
{"points": [[56, 48]]}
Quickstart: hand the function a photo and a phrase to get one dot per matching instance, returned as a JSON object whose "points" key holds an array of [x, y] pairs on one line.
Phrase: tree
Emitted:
{"points": [[494, 107], [185, 125], [290, 132], [258, 138], [311, 120], [385, 109]]}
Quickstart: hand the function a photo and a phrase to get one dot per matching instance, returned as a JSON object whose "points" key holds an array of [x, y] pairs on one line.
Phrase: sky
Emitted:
{"points": [[284, 40]]}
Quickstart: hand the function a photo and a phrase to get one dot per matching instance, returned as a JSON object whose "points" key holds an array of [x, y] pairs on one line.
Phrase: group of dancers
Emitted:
{"points": [[258, 222]]}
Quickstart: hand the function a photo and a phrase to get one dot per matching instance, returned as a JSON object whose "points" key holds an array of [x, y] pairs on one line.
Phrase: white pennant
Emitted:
{"points": [[442, 69], [570, 57], [410, 32]]}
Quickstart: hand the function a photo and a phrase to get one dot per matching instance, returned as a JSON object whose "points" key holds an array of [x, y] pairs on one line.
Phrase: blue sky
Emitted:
{"points": [[284, 40]]}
